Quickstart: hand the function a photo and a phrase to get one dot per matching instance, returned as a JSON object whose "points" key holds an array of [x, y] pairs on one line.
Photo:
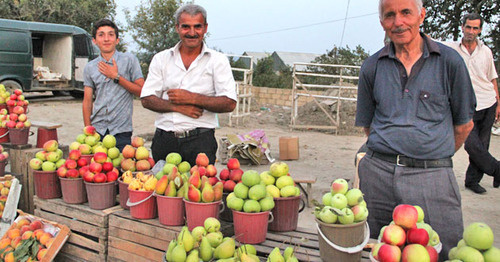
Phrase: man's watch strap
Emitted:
{"points": [[117, 78]]}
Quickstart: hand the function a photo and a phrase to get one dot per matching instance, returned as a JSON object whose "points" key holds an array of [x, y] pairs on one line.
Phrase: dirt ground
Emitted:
{"points": [[326, 156]]}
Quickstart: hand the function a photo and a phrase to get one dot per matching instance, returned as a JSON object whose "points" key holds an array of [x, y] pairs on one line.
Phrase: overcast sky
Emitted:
{"points": [[313, 26]]}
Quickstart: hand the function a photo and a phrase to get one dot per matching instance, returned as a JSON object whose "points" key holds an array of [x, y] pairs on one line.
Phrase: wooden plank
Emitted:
{"points": [[80, 212], [295, 234], [20, 167], [293, 241], [82, 253], [63, 257], [46, 125], [80, 240], [140, 250], [117, 255], [75, 225], [138, 238]]}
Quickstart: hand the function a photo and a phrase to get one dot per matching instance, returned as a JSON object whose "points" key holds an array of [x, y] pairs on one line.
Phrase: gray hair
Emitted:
{"points": [[192, 10], [418, 3]]}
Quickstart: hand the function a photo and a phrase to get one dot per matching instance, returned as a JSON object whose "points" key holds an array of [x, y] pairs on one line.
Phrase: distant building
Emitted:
{"points": [[283, 59], [256, 57]]}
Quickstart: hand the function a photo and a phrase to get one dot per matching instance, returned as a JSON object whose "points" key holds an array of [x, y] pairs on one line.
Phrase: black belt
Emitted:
{"points": [[190, 133], [405, 161]]}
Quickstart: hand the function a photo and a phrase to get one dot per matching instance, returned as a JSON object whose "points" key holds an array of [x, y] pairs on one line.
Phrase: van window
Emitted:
{"points": [[14, 42], [37, 46], [81, 47]]}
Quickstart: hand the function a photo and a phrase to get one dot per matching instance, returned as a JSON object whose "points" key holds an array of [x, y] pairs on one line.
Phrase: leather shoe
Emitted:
{"points": [[496, 183], [477, 189]]}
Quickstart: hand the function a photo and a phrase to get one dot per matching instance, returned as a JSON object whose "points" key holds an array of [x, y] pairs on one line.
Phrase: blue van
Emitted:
{"points": [[37, 56]]}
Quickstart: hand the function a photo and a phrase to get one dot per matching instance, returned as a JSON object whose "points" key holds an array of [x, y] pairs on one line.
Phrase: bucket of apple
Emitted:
{"points": [[100, 182], [44, 166]]}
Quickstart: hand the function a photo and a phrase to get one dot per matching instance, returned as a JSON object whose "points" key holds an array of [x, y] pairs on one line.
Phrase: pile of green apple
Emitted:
{"points": [[136, 156], [205, 243], [250, 195], [89, 143], [174, 161], [278, 181], [408, 232], [49, 159], [476, 245], [287, 256], [342, 205]]}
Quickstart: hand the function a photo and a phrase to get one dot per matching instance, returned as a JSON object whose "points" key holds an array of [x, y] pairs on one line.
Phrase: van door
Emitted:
{"points": [[16, 59], [82, 55]]}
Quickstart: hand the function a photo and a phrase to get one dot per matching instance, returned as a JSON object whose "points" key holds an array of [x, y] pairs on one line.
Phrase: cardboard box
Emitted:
{"points": [[289, 148]]}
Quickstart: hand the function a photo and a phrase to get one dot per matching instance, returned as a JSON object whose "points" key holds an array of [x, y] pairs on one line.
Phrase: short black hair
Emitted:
{"points": [[104, 22], [473, 16]]}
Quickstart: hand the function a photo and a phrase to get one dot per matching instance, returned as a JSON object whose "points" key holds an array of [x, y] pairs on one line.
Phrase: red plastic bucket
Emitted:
{"points": [[123, 193], [4, 135], [286, 213], [19, 136], [101, 195], [250, 228], [196, 213], [43, 135], [170, 210], [142, 204], [73, 190], [47, 184]]}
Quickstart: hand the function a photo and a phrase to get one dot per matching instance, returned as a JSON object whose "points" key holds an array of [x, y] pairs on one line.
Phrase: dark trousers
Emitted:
{"points": [[165, 142], [387, 185], [477, 145], [122, 139]]}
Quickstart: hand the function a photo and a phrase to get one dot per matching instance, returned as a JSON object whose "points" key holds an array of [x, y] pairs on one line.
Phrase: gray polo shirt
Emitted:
{"points": [[414, 115], [113, 104]]}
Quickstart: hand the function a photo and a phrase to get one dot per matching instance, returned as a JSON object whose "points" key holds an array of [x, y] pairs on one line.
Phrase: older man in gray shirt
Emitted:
{"points": [[113, 79]]}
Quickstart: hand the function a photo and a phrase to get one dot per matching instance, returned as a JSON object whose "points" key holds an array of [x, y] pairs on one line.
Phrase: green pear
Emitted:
{"points": [[198, 232], [188, 241], [178, 253], [288, 253], [225, 249], [293, 258], [275, 256], [206, 251], [215, 238], [171, 246], [247, 249], [231, 259], [193, 256], [249, 258], [182, 191], [171, 191]]}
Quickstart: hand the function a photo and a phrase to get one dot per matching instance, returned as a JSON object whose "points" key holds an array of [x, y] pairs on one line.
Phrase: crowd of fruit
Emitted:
{"points": [[342, 205], [3, 154], [4, 192], [476, 245], [48, 159], [207, 243], [26, 240]]}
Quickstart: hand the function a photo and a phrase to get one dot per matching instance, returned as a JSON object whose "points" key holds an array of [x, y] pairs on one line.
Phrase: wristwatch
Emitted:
{"points": [[117, 78]]}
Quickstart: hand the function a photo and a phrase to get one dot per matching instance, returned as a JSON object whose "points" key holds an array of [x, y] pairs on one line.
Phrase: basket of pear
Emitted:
{"points": [[141, 198]]}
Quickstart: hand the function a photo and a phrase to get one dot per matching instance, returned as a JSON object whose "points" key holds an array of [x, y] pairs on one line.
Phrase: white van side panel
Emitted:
{"points": [[57, 54], [80, 63]]}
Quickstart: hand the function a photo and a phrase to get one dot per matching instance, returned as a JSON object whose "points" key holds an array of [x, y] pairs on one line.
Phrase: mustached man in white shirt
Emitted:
{"points": [[187, 85], [479, 61]]}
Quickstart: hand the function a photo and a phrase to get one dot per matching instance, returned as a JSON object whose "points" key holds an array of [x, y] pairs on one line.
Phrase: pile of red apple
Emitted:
{"points": [[408, 238], [99, 170], [136, 156], [3, 154], [231, 175], [16, 119], [17, 99]]}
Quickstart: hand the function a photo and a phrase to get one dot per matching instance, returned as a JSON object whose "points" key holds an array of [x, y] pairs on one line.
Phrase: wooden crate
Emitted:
{"points": [[19, 167], [133, 239], [89, 228]]}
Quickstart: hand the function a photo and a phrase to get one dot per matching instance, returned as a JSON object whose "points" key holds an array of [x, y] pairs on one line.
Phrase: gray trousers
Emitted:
{"points": [[387, 185]]}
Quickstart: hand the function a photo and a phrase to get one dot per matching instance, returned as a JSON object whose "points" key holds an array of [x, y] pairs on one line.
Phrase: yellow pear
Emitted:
{"points": [[225, 249]]}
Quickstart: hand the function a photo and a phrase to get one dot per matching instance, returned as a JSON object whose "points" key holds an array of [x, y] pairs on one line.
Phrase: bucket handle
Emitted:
{"points": [[223, 207], [272, 217], [350, 250], [130, 204], [6, 133], [31, 133], [303, 205]]}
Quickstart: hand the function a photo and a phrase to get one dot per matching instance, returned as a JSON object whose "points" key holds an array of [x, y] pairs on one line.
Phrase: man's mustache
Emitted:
{"points": [[399, 30], [192, 36]]}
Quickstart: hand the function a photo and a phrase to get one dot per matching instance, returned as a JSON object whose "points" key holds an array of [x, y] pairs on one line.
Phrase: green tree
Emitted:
{"points": [[153, 28], [443, 20], [82, 13], [264, 75]]}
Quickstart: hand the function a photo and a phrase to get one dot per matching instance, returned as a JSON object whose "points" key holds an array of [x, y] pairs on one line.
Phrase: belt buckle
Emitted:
{"points": [[181, 134], [397, 161]]}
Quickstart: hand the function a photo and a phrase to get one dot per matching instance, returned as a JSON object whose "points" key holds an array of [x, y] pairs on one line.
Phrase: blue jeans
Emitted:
{"points": [[477, 145]]}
